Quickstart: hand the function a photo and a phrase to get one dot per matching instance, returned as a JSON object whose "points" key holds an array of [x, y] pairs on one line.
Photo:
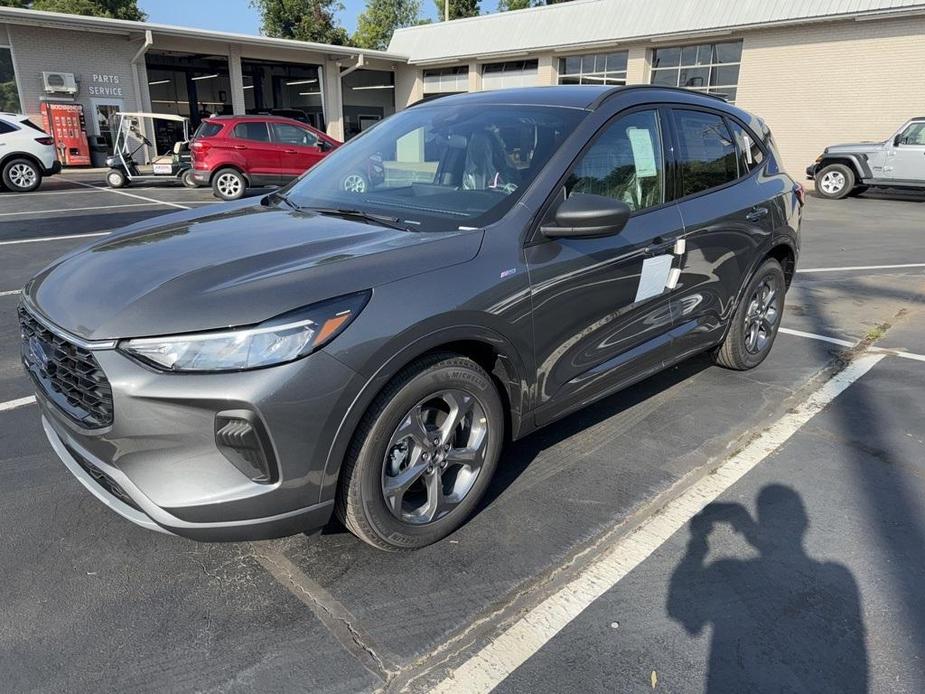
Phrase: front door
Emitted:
{"points": [[601, 311], [300, 148], [726, 207], [908, 156]]}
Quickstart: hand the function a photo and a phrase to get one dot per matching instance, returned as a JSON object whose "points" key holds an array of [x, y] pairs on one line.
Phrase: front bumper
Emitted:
{"points": [[811, 171], [159, 466]]}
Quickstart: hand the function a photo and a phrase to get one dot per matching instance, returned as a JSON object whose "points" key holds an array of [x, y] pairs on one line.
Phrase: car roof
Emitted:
{"points": [[256, 117]]}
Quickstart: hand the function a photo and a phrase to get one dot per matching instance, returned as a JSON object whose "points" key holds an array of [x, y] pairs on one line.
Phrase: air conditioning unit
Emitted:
{"points": [[59, 83]]}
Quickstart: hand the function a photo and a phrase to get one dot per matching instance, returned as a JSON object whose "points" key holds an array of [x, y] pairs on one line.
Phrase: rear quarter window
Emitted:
{"points": [[6, 127], [206, 129]]}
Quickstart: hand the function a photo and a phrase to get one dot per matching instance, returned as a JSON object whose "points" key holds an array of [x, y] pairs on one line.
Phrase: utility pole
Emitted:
{"points": [[446, 10]]}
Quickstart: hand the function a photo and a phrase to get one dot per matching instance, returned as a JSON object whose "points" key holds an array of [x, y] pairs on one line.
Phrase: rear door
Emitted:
{"points": [[596, 326], [299, 148], [262, 157], [726, 207]]}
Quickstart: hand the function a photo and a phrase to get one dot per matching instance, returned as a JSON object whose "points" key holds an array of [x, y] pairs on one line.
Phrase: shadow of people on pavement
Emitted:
{"points": [[782, 622]]}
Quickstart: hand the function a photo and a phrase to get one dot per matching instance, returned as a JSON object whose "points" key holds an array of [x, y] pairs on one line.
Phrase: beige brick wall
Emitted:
{"points": [[836, 82]]}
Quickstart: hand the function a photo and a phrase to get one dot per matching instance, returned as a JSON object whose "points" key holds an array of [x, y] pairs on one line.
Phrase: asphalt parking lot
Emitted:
{"points": [[706, 530]]}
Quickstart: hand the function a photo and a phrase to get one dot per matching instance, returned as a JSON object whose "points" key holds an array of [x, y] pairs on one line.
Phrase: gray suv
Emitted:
{"points": [[249, 370], [897, 162]]}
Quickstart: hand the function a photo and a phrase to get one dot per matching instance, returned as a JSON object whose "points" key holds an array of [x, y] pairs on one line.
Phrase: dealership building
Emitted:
{"points": [[818, 71]]}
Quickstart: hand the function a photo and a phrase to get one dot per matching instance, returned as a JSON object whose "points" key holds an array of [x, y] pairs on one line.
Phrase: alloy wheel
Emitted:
{"points": [[762, 316], [434, 457], [22, 175], [228, 185], [833, 182], [354, 183]]}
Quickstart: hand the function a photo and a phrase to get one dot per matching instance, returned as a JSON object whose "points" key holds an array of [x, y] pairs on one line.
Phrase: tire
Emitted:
{"points": [[229, 184], [116, 179], [437, 486], [21, 175], [186, 179], [835, 181], [756, 320], [355, 183]]}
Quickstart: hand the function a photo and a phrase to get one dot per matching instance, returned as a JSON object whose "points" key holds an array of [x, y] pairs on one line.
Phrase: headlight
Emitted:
{"points": [[281, 339]]}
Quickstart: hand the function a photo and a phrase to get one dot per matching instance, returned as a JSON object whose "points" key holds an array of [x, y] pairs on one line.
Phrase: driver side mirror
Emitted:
{"points": [[323, 145], [583, 215], [897, 141]]}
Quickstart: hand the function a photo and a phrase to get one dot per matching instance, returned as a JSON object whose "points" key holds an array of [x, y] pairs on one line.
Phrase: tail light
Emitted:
{"points": [[45, 140], [800, 192]]}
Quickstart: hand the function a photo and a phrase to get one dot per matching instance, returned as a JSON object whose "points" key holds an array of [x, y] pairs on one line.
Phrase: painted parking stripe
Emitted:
{"points": [[132, 195], [855, 268], [65, 210], [63, 191], [56, 238], [11, 292], [13, 404], [889, 351], [504, 654]]}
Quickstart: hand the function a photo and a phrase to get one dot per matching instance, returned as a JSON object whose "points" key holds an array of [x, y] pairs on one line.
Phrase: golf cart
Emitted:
{"points": [[131, 139]]}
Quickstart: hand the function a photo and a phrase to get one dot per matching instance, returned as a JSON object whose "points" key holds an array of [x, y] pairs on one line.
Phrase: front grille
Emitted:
{"points": [[68, 375], [102, 479]]}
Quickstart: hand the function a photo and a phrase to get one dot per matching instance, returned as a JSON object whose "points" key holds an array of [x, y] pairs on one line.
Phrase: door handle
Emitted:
{"points": [[757, 213], [289, 151], [659, 245], [240, 146]]}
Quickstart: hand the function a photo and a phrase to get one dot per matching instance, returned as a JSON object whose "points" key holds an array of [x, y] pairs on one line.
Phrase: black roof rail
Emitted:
{"points": [[620, 90]]}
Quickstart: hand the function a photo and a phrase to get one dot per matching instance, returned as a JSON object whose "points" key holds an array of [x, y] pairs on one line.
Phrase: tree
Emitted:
{"points": [[458, 8], [303, 20], [113, 9], [505, 5], [381, 18]]}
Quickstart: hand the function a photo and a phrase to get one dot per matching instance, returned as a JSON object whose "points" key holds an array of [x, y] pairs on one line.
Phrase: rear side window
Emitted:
{"points": [[252, 131], [6, 127], [207, 129], [708, 156], [291, 135], [750, 154]]}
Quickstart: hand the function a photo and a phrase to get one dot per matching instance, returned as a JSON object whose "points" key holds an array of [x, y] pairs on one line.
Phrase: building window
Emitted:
{"points": [[597, 68], [447, 80], [9, 94], [515, 73], [705, 67]]}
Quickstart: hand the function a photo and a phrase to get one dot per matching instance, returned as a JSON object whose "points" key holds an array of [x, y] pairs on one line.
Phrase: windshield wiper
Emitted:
{"points": [[391, 222]]}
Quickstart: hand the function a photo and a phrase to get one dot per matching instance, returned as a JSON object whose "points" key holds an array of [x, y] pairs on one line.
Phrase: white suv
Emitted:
{"points": [[26, 153]]}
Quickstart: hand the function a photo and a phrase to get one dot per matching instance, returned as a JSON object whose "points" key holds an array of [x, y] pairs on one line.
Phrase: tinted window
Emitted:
{"points": [[750, 154], [6, 127], [708, 155], [913, 135], [291, 135], [252, 131], [624, 163], [207, 129]]}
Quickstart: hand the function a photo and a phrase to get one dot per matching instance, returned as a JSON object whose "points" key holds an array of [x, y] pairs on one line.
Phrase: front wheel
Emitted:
{"points": [[423, 455], [21, 176], [229, 184], [116, 179], [756, 320], [835, 181]]}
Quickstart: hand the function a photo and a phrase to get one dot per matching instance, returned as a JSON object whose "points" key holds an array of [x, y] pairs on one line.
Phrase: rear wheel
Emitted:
{"points": [[116, 179], [756, 320], [423, 455], [21, 175], [835, 181], [229, 184], [187, 179]]}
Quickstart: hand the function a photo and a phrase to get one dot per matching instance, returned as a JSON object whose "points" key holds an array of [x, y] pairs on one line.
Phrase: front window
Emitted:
{"points": [[705, 67], [913, 135], [597, 68], [436, 168]]}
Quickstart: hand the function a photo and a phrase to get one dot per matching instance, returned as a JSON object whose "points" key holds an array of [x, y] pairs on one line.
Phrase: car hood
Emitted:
{"points": [[239, 266], [854, 148]]}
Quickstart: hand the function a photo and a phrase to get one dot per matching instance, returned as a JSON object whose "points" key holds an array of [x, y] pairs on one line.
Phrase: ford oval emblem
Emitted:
{"points": [[37, 354]]}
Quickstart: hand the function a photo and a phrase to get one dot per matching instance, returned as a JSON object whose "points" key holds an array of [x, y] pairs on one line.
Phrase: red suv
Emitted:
{"points": [[231, 153]]}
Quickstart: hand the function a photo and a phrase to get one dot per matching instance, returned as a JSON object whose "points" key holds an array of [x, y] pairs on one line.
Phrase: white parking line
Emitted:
{"points": [[859, 267], [11, 292], [65, 191], [65, 210], [132, 195], [56, 238], [504, 654], [13, 404], [821, 338]]}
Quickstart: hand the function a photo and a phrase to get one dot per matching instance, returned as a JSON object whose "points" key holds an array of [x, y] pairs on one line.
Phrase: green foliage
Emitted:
{"points": [[458, 8], [113, 9], [505, 5], [9, 97], [303, 20], [381, 18]]}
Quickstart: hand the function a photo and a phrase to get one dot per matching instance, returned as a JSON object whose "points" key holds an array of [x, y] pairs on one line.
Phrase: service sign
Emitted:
{"points": [[104, 85]]}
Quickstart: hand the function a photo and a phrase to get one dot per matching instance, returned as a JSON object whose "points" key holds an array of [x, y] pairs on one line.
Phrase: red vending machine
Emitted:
{"points": [[67, 125]]}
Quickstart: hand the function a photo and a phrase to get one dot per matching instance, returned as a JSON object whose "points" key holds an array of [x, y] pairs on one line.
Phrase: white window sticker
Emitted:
{"points": [[643, 152], [654, 276]]}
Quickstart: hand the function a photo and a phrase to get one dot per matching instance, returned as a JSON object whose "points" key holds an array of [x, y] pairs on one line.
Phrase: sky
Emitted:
{"points": [[238, 15]]}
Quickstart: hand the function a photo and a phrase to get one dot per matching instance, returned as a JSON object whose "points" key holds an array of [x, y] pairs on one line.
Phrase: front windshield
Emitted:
{"points": [[439, 167]]}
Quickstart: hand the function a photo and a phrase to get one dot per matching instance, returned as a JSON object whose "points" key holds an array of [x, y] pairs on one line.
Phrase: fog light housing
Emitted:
{"points": [[240, 437]]}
